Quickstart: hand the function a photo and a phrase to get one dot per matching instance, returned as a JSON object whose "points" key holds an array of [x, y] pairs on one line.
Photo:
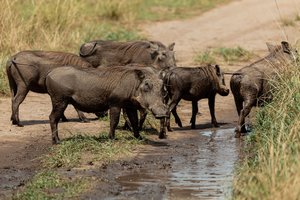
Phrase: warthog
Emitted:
{"points": [[113, 88], [27, 71], [112, 53], [250, 85], [193, 84]]}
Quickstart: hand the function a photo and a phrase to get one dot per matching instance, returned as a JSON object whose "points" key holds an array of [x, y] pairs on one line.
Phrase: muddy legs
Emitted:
{"points": [[243, 113]]}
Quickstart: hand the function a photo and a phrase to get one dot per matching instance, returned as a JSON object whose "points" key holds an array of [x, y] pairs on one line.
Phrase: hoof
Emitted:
{"points": [[162, 136], [17, 124], [139, 137], [85, 120], [237, 135], [55, 142], [193, 127], [170, 129], [64, 120], [216, 125]]}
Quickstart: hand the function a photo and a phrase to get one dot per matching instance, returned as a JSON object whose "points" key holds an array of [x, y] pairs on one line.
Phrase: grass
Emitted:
{"points": [[271, 170], [99, 148], [49, 185], [223, 54]]}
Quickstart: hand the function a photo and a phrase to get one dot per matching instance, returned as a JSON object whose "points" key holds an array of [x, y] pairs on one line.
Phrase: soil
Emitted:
{"points": [[189, 164]]}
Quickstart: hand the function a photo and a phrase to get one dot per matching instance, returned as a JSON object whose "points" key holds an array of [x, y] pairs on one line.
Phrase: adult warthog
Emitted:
{"points": [[251, 86], [193, 84], [107, 53], [27, 71], [113, 88]]}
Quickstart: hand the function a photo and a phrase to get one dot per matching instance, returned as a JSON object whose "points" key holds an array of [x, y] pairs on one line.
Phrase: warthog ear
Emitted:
{"points": [[171, 46], [139, 74], [218, 70], [87, 49], [286, 47]]}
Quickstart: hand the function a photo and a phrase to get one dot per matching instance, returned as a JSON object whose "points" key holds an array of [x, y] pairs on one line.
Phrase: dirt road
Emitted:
{"points": [[245, 23]]}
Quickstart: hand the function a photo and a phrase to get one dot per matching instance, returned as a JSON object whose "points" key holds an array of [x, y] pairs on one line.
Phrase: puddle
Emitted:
{"points": [[206, 174], [210, 173]]}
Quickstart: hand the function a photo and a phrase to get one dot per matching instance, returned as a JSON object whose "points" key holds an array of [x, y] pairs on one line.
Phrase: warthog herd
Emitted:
{"points": [[137, 75]]}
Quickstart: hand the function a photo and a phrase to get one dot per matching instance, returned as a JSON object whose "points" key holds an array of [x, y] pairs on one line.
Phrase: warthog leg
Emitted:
{"points": [[248, 104], [194, 114], [114, 116], [81, 116], [143, 115], [211, 103], [133, 118], [58, 108], [19, 97], [162, 132], [177, 119]]}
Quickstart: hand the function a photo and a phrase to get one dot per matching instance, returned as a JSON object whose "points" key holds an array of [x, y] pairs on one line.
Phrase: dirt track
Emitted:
{"points": [[245, 23]]}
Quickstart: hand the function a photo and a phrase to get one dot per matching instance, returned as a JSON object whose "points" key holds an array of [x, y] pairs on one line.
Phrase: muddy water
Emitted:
{"points": [[206, 174]]}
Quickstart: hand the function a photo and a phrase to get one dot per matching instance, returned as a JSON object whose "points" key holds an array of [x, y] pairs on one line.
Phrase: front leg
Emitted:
{"points": [[114, 115], [211, 103], [194, 114], [134, 121]]}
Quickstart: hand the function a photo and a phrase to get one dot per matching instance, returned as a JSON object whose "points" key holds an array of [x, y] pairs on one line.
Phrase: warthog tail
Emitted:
{"points": [[11, 81]]}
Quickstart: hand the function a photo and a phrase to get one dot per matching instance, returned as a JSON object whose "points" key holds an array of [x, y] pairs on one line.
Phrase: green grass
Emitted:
{"points": [[271, 170], [50, 185], [223, 54], [72, 151]]}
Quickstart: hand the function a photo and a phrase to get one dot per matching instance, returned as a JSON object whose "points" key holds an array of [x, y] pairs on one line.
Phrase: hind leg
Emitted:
{"points": [[239, 107], [58, 109], [243, 114], [16, 101]]}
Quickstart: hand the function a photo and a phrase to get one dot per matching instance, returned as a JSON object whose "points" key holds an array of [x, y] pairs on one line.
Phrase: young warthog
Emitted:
{"points": [[113, 88], [193, 84], [111, 53], [250, 85], [27, 71]]}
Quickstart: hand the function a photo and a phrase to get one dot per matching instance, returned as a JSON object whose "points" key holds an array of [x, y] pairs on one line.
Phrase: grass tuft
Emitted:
{"points": [[223, 54], [49, 185], [73, 150]]}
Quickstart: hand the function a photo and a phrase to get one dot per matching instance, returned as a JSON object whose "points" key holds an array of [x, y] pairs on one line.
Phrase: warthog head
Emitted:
{"points": [[221, 88], [163, 57], [284, 52], [150, 94]]}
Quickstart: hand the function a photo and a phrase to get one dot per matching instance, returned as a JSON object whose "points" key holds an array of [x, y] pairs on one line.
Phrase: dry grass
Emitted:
{"points": [[272, 170]]}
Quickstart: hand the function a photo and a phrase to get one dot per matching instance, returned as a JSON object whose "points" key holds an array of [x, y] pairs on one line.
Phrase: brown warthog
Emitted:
{"points": [[193, 84], [251, 86], [110, 53], [27, 71], [113, 88]]}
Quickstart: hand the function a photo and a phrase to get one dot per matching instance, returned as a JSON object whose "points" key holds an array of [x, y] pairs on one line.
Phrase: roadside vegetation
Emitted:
{"points": [[270, 169], [223, 54]]}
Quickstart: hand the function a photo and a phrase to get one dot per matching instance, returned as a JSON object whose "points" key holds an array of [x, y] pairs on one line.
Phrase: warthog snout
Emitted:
{"points": [[224, 91], [160, 111]]}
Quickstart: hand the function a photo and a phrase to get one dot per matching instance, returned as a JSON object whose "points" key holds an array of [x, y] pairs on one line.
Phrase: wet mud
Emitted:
{"points": [[199, 165]]}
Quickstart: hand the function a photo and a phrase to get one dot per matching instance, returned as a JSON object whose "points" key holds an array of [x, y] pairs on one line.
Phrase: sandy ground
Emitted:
{"points": [[246, 23]]}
